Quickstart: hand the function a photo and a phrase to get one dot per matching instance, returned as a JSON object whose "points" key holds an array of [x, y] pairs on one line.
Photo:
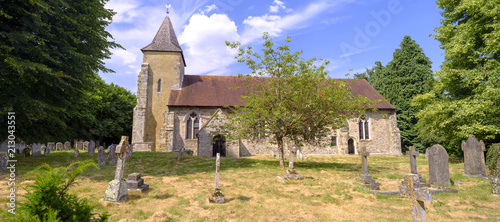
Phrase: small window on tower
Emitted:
{"points": [[158, 87], [334, 141]]}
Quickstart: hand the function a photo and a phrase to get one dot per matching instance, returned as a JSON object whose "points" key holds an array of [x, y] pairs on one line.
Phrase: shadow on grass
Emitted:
{"points": [[166, 164]]}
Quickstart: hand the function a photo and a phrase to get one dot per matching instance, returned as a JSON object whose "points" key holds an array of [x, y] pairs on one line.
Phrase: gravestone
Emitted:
{"points": [[20, 147], [4, 147], [365, 178], [4, 159], [52, 146], [101, 156], [217, 196], [59, 146], [76, 153], [427, 153], [26, 151], [46, 150], [136, 183], [130, 152], [67, 145], [79, 145], [92, 148], [413, 164], [291, 173], [181, 154], [117, 189], [439, 172], [411, 189], [474, 157], [111, 154], [37, 149], [495, 180], [86, 145]]}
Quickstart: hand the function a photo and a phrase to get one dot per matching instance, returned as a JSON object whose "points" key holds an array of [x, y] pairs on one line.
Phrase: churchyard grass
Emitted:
{"points": [[179, 190]]}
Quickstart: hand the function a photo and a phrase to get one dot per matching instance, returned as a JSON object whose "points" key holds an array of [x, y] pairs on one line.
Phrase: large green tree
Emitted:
{"points": [[407, 75], [50, 53], [298, 102], [465, 98]]}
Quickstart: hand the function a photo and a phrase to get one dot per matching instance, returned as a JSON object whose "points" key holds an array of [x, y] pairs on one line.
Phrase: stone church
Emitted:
{"points": [[176, 110]]}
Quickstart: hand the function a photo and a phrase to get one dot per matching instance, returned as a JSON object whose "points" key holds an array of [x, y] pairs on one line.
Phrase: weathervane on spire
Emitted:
{"points": [[168, 6]]}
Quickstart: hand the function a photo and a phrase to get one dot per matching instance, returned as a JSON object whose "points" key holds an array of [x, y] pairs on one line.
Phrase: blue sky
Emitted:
{"points": [[352, 34]]}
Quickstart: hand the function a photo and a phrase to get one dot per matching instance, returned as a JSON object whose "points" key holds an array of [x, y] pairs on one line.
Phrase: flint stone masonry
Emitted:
{"points": [[136, 183], [117, 189], [4, 158], [67, 145], [91, 148], [474, 157], [59, 146], [411, 189], [111, 154], [101, 157], [439, 172]]}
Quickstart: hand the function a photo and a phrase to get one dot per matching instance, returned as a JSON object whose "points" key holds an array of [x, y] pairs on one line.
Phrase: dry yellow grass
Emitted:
{"points": [[179, 190]]}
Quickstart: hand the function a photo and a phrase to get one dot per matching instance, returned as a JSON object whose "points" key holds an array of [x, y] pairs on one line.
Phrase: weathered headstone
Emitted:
{"points": [[136, 183], [59, 146], [79, 145], [181, 154], [86, 145], [76, 153], [67, 145], [4, 159], [91, 148], [365, 178], [37, 149], [413, 164], [26, 151], [291, 173], [411, 189], [217, 196], [495, 179], [130, 152], [111, 154], [117, 189], [439, 172], [20, 147], [101, 156], [427, 153], [46, 150], [474, 157], [51, 145]]}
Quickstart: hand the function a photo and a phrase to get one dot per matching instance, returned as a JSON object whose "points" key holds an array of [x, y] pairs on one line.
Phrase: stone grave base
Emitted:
{"points": [[291, 174], [478, 176], [367, 181], [116, 191], [217, 197], [136, 183]]}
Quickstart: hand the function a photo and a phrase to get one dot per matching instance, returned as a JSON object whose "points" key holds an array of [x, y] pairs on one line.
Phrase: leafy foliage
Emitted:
{"points": [[48, 197], [493, 160], [407, 75], [50, 53], [465, 98], [297, 103]]}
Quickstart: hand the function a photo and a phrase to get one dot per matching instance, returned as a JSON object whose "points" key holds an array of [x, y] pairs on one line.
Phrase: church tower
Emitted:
{"points": [[162, 70]]}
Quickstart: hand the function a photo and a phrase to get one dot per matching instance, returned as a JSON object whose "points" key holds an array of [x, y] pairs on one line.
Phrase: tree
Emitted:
{"points": [[298, 102], [407, 75], [50, 52], [465, 98]]}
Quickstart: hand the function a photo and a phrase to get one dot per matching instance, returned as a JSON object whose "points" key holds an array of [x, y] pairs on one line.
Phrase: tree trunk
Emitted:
{"points": [[280, 151]]}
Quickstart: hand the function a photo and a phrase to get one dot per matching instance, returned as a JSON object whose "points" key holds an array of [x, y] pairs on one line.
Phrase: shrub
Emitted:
{"points": [[493, 158], [48, 197]]}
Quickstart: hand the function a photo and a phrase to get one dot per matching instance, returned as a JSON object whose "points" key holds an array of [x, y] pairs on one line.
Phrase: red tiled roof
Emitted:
{"points": [[214, 91]]}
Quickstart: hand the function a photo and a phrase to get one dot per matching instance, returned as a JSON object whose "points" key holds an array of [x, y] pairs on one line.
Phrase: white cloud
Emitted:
{"points": [[124, 56], [205, 37], [276, 24], [277, 5], [126, 10], [209, 8]]}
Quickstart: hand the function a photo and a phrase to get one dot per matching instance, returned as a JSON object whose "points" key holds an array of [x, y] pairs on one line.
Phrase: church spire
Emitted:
{"points": [[165, 39]]}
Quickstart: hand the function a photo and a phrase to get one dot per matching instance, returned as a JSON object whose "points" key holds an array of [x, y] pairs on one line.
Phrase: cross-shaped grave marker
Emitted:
{"points": [[411, 188], [292, 173], [217, 196], [365, 178]]}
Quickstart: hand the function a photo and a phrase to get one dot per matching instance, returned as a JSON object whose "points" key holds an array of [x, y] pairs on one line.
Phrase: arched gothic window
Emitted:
{"points": [[364, 129], [158, 87], [192, 126]]}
